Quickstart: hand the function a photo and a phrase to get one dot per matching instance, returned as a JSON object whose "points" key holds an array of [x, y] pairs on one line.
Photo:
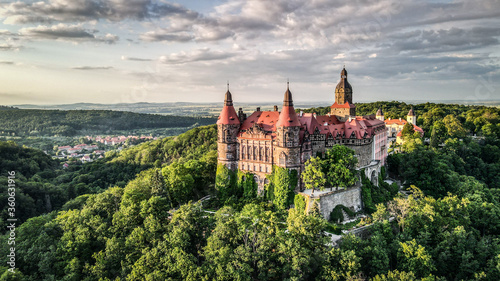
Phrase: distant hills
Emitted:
{"points": [[211, 109], [38, 122]]}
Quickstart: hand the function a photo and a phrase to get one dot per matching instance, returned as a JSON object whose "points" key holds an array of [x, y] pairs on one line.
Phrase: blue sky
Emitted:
{"points": [[109, 51]]}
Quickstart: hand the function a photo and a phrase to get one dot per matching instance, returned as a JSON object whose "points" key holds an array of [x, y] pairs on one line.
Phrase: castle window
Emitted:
{"points": [[282, 158]]}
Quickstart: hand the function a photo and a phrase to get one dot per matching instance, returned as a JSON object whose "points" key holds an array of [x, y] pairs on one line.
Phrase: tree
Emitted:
{"points": [[414, 258], [396, 276], [408, 131], [336, 169], [439, 133], [313, 175], [454, 127], [224, 182], [340, 166], [284, 182]]}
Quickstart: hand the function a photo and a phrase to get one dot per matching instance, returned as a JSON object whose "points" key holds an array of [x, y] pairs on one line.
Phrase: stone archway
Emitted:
{"points": [[373, 177], [372, 170]]}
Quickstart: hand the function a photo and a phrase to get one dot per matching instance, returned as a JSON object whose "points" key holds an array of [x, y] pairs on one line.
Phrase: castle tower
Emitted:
{"points": [[287, 154], [379, 115], [412, 117], [343, 105], [228, 126]]}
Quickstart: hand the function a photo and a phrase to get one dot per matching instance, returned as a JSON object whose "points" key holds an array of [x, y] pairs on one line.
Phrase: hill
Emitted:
{"points": [[43, 186], [35, 122]]}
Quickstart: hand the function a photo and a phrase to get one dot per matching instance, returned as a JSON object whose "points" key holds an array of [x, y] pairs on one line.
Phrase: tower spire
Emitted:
{"points": [[287, 100], [228, 101]]}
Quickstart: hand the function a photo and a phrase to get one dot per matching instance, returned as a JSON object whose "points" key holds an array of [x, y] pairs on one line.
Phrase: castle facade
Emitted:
{"points": [[288, 139]]}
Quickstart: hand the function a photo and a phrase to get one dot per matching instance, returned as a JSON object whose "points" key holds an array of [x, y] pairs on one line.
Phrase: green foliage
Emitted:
{"points": [[225, 182], [43, 186], [414, 258], [336, 169], [313, 175], [282, 185], [340, 164], [26, 122], [191, 145], [299, 202], [408, 131], [246, 183], [396, 276], [337, 216], [146, 229], [373, 195]]}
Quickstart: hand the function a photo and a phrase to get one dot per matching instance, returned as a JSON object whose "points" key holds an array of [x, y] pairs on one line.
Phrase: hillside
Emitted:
{"points": [[43, 186], [135, 219], [34, 122]]}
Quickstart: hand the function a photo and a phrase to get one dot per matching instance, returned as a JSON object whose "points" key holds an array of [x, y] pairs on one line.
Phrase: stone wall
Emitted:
{"points": [[350, 198], [364, 153]]}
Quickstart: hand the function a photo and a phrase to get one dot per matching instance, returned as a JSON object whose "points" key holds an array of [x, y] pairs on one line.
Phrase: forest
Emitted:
{"points": [[36, 122], [136, 215]]}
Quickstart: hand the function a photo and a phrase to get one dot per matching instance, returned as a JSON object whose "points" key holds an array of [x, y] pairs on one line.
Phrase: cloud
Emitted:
{"points": [[74, 33], [165, 35], [9, 47], [85, 10], [134, 59], [195, 56], [444, 40], [92, 67], [7, 62]]}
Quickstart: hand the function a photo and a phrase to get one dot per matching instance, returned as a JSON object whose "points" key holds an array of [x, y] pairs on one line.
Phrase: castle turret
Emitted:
{"points": [[287, 153], [379, 115], [412, 117], [228, 126], [343, 105]]}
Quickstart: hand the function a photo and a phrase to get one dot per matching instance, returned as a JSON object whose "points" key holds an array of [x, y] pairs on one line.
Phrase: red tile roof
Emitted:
{"points": [[416, 128], [345, 105], [265, 119], [288, 117], [395, 121], [362, 126], [228, 116]]}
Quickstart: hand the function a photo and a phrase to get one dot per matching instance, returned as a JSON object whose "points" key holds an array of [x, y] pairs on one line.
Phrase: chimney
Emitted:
{"points": [[301, 113], [314, 114], [258, 108], [275, 108], [399, 119], [241, 115]]}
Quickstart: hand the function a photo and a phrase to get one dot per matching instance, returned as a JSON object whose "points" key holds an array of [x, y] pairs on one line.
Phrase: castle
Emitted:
{"points": [[395, 126], [288, 139]]}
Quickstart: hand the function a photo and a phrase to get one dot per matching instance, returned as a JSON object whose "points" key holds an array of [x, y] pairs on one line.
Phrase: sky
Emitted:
{"points": [[126, 51]]}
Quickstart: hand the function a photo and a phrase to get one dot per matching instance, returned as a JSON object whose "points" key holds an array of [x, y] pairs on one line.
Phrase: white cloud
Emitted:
{"points": [[73, 33]]}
